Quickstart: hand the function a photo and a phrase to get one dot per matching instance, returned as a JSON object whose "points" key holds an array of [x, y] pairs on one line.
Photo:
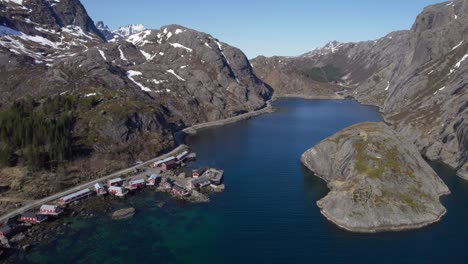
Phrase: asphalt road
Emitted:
{"points": [[38, 203]]}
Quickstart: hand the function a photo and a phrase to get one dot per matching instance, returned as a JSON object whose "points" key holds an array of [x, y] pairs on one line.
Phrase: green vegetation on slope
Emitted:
{"points": [[39, 133], [328, 73]]}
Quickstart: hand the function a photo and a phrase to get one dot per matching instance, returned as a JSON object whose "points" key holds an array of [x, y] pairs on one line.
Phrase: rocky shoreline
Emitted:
{"points": [[267, 108], [377, 180], [110, 207]]}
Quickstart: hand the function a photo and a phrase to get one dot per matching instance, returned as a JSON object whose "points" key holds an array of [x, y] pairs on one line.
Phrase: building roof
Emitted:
{"points": [[73, 195], [29, 215], [137, 181], [159, 162], [200, 180], [153, 176], [169, 162], [115, 188], [48, 207], [115, 180], [182, 155]]}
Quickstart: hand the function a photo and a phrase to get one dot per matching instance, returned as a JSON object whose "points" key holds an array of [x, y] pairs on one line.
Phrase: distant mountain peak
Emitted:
{"points": [[330, 47], [130, 29], [120, 33]]}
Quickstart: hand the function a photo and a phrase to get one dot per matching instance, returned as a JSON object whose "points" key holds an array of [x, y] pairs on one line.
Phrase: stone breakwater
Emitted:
{"points": [[378, 182]]}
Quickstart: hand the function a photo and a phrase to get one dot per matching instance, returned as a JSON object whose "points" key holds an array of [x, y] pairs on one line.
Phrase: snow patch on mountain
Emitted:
{"points": [[103, 55], [177, 76], [178, 45], [139, 39], [131, 74], [458, 45], [122, 55], [18, 2], [458, 64], [147, 55], [76, 31]]}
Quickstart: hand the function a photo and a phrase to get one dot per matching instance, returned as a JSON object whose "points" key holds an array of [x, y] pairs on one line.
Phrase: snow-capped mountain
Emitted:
{"points": [[121, 32], [330, 47], [128, 30], [46, 30]]}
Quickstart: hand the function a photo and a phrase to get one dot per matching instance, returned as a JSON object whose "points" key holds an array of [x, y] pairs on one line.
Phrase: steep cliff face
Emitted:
{"points": [[378, 181], [417, 77]]}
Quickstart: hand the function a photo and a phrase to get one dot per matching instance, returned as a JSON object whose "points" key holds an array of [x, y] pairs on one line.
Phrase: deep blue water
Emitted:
{"points": [[268, 213]]}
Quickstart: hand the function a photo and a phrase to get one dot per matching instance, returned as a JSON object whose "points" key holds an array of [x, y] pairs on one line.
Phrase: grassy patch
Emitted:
{"points": [[373, 167], [324, 74]]}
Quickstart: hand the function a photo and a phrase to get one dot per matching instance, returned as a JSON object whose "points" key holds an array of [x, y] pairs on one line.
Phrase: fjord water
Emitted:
{"points": [[268, 213]]}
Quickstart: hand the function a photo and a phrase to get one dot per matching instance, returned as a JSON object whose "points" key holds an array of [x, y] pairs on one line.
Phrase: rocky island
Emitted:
{"points": [[377, 180]]}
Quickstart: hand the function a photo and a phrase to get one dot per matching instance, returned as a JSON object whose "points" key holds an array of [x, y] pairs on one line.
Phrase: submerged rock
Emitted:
{"points": [[378, 181], [123, 214]]}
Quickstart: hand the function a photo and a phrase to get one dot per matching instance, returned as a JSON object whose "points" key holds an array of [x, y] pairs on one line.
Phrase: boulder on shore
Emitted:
{"points": [[123, 214], [378, 182]]}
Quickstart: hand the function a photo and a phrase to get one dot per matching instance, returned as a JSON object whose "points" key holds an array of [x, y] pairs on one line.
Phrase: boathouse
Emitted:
{"points": [[179, 190], [199, 172], [135, 184], [115, 182], [75, 196], [50, 210], [118, 191], [32, 218], [152, 180]]}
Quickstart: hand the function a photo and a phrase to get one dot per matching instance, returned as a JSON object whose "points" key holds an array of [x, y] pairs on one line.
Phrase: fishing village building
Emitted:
{"points": [[100, 189], [118, 191], [136, 184], [32, 218], [75, 196], [50, 210], [153, 180], [115, 182]]}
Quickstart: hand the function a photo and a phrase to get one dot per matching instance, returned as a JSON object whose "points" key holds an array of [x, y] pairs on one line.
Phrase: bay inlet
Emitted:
{"points": [[268, 213]]}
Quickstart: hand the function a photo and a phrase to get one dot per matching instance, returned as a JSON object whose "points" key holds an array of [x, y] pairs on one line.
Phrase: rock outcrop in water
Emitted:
{"points": [[377, 180], [123, 214]]}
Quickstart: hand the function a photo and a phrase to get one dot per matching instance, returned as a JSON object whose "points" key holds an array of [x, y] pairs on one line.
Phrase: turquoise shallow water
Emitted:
{"points": [[268, 213]]}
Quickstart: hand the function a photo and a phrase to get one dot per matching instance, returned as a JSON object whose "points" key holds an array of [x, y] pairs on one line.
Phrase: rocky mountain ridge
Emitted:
{"points": [[416, 77]]}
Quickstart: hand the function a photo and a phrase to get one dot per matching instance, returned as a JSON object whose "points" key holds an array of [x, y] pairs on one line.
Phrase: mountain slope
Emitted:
{"points": [[417, 77], [123, 100]]}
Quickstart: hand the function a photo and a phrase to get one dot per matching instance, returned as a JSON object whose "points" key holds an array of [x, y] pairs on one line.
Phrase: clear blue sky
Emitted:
{"points": [[267, 27]]}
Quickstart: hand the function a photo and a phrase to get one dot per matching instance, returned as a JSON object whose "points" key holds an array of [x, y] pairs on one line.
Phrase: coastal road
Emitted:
{"points": [[38, 203], [193, 129], [190, 130]]}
